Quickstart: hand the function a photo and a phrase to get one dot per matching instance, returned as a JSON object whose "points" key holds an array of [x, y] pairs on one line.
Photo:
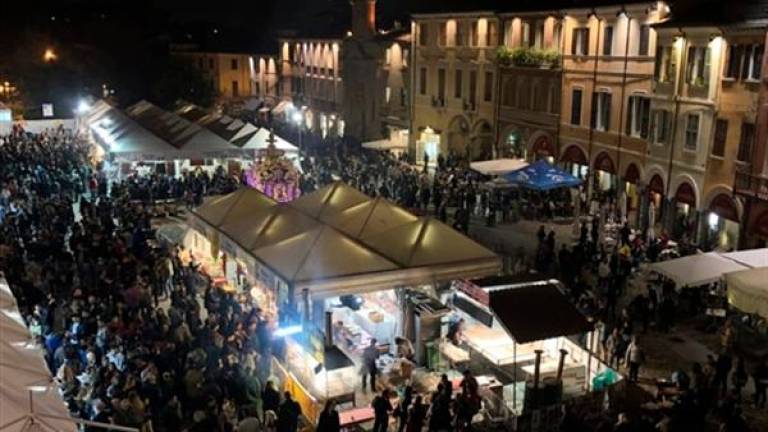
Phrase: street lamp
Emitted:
{"points": [[49, 55]]}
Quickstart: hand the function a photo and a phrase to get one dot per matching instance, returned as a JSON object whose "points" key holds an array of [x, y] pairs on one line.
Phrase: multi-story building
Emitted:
{"points": [[454, 83], [751, 179], [530, 76], [707, 82], [233, 76], [608, 60], [353, 83]]}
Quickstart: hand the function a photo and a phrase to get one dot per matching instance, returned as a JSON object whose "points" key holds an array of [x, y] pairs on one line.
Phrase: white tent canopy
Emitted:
{"points": [[386, 144], [748, 290], [754, 258], [497, 167], [697, 270], [260, 141]]}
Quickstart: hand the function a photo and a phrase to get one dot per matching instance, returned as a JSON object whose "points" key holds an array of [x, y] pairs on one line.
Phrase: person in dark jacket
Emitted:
{"points": [[270, 398], [381, 409], [329, 418], [288, 415]]}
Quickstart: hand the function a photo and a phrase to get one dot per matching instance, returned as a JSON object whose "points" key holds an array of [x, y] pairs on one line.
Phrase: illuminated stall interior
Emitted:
{"points": [[524, 330], [335, 261]]}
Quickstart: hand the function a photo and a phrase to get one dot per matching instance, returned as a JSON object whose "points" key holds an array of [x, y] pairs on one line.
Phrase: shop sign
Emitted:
{"points": [[473, 291]]}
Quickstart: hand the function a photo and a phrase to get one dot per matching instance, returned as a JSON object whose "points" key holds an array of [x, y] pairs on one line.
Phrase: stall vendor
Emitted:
{"points": [[404, 348], [455, 330]]}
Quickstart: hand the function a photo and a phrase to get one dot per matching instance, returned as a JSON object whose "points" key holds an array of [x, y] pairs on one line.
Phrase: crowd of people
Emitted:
{"points": [[137, 336]]}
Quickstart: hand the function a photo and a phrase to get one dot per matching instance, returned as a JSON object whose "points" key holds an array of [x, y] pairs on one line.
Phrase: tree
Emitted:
{"points": [[181, 80]]}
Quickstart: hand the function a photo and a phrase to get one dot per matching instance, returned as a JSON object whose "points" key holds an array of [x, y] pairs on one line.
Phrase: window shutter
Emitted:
{"points": [[574, 36], [657, 63], [690, 64], [744, 61], [707, 65], [585, 42], [593, 117], [645, 105], [630, 120], [655, 123], [607, 111]]}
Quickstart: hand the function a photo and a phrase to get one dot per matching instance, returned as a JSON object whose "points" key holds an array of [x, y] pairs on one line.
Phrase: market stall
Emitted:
{"points": [[520, 329], [336, 261], [696, 270], [748, 290], [542, 176]]}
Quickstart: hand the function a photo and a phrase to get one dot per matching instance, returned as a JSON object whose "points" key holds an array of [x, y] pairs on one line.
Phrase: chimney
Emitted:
{"points": [[363, 18]]}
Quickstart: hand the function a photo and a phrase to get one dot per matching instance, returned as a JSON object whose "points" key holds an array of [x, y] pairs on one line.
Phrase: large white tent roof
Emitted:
{"points": [[497, 167], [754, 258], [748, 290], [697, 270], [338, 240]]}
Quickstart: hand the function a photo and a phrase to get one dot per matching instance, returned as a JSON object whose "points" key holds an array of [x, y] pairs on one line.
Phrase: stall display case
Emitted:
{"points": [[335, 377]]}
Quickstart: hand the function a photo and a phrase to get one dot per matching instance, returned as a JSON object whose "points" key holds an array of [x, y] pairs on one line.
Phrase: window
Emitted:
{"points": [[638, 116], [745, 142], [488, 87], [608, 40], [457, 84], [423, 34], [538, 40], [580, 41], [666, 64], [525, 37], [233, 64], [461, 37], [692, 132], [735, 58], [235, 89], [753, 62], [387, 94], [660, 129], [539, 98], [721, 131], [645, 39], [441, 85], [442, 37], [474, 34], [601, 111], [423, 81], [473, 87], [697, 68], [576, 107], [492, 34]]}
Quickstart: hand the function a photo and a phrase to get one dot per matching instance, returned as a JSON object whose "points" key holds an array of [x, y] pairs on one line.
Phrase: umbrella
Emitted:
{"points": [[542, 176]]}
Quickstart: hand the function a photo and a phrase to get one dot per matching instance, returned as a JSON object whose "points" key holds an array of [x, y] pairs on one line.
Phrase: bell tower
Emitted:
{"points": [[363, 18]]}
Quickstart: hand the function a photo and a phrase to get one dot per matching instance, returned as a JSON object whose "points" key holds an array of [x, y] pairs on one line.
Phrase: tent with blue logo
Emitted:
{"points": [[541, 176]]}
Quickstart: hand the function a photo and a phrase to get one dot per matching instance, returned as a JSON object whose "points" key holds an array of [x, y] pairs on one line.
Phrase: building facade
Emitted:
{"points": [[231, 75], [530, 78], [454, 84], [751, 180], [352, 84]]}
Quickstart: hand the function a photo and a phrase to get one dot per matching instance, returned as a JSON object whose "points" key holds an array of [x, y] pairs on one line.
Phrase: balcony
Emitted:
{"points": [[751, 186]]}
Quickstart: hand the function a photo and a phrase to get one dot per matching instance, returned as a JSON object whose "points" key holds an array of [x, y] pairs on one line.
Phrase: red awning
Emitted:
{"points": [[603, 162], [685, 194], [632, 175], [574, 154], [656, 184], [723, 206]]}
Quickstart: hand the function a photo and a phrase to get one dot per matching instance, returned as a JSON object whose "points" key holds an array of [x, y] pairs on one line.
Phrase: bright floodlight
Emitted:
{"points": [[297, 117], [83, 107]]}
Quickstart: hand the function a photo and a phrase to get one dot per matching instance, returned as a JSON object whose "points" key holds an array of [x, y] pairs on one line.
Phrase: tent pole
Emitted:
{"points": [[106, 426], [514, 376], [13, 422], [590, 343]]}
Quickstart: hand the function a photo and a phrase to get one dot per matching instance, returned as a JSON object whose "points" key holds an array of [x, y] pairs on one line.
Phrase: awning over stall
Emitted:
{"points": [[386, 144], [755, 258], [537, 312], [748, 290], [498, 166], [697, 270], [542, 176]]}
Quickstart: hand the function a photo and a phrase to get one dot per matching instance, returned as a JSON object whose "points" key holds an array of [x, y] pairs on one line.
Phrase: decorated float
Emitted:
{"points": [[274, 174]]}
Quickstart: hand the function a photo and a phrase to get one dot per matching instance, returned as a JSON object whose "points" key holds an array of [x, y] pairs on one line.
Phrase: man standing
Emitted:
{"points": [[635, 357], [381, 409], [370, 355], [288, 415]]}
